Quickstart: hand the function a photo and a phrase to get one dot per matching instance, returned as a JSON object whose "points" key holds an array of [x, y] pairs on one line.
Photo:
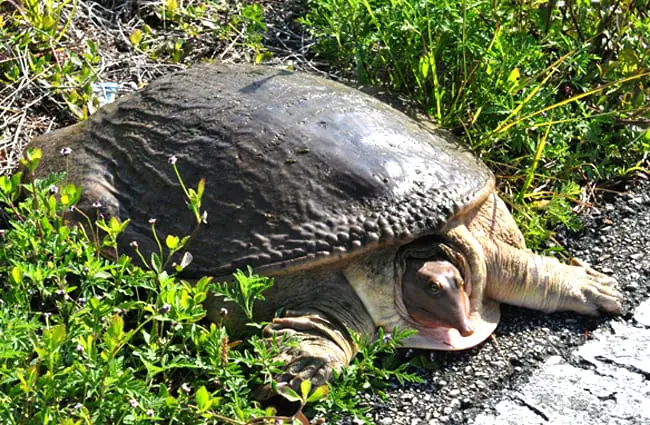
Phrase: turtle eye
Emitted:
{"points": [[435, 288]]}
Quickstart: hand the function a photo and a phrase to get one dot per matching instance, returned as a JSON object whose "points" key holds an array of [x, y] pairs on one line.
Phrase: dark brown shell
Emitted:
{"points": [[299, 170]]}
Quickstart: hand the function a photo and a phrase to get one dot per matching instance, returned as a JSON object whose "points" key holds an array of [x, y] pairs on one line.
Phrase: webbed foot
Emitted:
{"points": [[591, 292], [315, 350]]}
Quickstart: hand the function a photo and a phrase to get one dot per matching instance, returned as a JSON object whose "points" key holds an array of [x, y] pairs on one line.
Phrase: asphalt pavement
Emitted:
{"points": [[560, 368]]}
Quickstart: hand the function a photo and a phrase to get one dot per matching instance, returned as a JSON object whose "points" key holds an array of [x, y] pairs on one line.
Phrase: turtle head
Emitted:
{"points": [[434, 295]]}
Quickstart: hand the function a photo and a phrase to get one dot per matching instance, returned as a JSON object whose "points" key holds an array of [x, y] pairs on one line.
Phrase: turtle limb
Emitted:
{"points": [[316, 348], [526, 279], [518, 276]]}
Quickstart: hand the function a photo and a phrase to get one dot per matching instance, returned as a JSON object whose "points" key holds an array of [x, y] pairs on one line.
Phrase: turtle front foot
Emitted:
{"points": [[315, 349], [590, 292]]}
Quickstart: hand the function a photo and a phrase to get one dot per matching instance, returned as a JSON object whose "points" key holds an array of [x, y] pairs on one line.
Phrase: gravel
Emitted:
{"points": [[464, 385]]}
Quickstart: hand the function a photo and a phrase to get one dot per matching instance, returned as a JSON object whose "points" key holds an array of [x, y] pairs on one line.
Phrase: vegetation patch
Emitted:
{"points": [[88, 340], [553, 96]]}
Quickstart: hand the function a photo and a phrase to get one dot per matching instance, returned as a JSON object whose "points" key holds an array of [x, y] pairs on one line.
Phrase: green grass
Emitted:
{"points": [[546, 94]]}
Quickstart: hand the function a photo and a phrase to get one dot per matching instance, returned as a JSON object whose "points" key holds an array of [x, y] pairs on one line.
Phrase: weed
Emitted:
{"points": [[89, 340], [548, 95]]}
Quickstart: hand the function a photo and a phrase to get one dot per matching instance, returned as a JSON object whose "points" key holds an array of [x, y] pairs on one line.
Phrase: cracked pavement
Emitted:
{"points": [[608, 382], [561, 368]]}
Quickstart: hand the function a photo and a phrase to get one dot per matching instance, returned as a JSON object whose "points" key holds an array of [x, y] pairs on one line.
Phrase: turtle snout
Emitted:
{"points": [[465, 328]]}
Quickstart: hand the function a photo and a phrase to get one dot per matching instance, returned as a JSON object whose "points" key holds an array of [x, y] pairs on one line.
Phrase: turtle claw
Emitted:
{"points": [[594, 292]]}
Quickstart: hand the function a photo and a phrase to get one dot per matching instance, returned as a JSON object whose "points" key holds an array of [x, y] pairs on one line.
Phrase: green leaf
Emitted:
{"points": [[114, 225], [17, 274], [172, 241], [513, 77], [31, 158], [5, 185], [156, 264], [48, 22], [54, 337], [424, 66], [319, 393], [115, 331], [171, 6], [203, 401], [288, 393], [136, 37], [200, 188], [305, 388]]}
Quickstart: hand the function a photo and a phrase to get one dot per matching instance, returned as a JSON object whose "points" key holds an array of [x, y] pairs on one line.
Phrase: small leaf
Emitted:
{"points": [[136, 37], [319, 393], [48, 22], [156, 264], [171, 6], [203, 401], [114, 225], [172, 241], [17, 274], [54, 336], [305, 388], [424, 66], [32, 157], [514, 76], [287, 392], [5, 185], [115, 331]]}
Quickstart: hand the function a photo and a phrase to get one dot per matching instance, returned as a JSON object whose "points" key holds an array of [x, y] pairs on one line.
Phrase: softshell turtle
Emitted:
{"points": [[364, 217]]}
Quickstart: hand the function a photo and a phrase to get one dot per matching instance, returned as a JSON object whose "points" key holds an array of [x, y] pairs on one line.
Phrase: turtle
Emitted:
{"points": [[365, 218]]}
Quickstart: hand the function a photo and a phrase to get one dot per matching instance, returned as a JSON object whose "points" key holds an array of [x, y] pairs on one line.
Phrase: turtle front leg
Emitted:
{"points": [[520, 277], [316, 348]]}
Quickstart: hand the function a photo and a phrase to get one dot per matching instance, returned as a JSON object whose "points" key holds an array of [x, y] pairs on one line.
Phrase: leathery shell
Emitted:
{"points": [[299, 170]]}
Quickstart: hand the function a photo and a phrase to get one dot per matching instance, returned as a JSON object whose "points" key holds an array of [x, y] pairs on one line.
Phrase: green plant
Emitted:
{"points": [[90, 340], [178, 25], [547, 94], [38, 51], [372, 369]]}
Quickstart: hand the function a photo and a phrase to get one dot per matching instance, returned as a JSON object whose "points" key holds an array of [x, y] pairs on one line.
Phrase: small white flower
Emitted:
{"points": [[186, 388]]}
